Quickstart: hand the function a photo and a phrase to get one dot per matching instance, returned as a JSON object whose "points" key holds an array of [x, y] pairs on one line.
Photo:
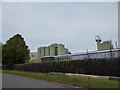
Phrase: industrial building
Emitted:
{"points": [[51, 50], [105, 45], [59, 49]]}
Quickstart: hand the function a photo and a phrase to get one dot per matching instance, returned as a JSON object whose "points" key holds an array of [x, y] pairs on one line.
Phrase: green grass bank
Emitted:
{"points": [[70, 80]]}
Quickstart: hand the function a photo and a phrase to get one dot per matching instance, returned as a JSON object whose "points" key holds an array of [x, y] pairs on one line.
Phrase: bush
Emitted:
{"points": [[105, 67]]}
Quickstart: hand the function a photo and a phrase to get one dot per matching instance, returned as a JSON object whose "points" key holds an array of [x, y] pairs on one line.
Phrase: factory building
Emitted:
{"points": [[59, 49], [51, 50], [106, 45]]}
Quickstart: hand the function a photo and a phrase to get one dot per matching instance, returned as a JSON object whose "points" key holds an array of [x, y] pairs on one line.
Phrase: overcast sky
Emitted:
{"points": [[73, 24], [0, 22]]}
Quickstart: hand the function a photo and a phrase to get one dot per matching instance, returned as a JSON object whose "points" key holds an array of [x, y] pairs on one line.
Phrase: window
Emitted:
{"points": [[56, 51], [32, 55]]}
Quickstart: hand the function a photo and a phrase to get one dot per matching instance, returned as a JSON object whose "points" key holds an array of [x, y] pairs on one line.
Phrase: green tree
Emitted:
{"points": [[15, 51]]}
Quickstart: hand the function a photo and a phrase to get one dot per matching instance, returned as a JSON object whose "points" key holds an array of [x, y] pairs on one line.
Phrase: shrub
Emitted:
{"points": [[104, 67]]}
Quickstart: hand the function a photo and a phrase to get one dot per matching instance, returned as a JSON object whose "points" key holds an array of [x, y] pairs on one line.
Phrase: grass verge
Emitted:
{"points": [[70, 80]]}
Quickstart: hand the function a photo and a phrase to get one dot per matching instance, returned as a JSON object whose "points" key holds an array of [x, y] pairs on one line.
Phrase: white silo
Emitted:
{"points": [[42, 51], [39, 54], [47, 51], [52, 50]]}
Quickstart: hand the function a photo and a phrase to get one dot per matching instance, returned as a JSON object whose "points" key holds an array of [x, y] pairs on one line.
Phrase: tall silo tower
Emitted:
{"points": [[39, 53]]}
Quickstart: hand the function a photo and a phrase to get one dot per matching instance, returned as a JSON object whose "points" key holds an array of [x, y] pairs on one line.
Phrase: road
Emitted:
{"points": [[14, 81]]}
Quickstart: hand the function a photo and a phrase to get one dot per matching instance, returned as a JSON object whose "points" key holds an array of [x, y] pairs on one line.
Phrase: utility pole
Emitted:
{"points": [[111, 52], [87, 53]]}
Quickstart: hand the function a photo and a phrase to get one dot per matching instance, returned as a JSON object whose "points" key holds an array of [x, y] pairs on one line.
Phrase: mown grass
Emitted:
{"points": [[71, 80]]}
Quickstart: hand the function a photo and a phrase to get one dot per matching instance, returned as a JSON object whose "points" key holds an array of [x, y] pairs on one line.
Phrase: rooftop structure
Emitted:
{"points": [[105, 45]]}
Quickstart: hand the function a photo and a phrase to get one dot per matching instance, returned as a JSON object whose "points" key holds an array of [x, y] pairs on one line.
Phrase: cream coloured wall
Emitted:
{"points": [[33, 56], [106, 45]]}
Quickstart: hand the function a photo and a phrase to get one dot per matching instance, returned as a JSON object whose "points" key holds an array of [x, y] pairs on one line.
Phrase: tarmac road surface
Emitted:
{"points": [[14, 81]]}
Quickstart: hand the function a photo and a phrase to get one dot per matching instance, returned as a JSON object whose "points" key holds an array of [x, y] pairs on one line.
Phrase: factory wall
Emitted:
{"points": [[47, 51], [52, 50], [33, 56], [62, 50], [107, 45], [39, 54]]}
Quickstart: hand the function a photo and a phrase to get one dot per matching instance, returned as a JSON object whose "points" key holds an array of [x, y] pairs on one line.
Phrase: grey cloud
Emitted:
{"points": [[73, 24]]}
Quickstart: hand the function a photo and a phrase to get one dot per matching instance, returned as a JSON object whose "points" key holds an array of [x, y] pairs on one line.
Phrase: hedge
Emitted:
{"points": [[104, 67]]}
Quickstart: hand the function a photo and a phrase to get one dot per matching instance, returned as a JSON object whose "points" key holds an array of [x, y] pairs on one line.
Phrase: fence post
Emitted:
{"points": [[111, 53], [87, 53]]}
